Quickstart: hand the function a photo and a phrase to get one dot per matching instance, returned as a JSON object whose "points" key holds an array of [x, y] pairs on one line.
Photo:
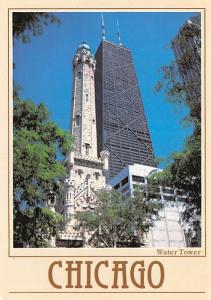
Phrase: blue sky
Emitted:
{"points": [[43, 66]]}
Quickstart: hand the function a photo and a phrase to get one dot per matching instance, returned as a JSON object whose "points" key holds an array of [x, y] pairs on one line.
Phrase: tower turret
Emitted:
{"points": [[83, 113]]}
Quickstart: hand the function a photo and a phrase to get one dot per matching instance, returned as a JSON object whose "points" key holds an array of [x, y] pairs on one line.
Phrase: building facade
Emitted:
{"points": [[122, 127], [168, 231], [86, 171], [187, 49]]}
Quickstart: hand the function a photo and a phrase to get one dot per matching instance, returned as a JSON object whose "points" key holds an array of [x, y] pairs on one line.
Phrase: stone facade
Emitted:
{"points": [[84, 115], [86, 171]]}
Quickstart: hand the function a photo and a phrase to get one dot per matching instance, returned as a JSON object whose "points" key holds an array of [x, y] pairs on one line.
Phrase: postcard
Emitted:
{"points": [[104, 157]]}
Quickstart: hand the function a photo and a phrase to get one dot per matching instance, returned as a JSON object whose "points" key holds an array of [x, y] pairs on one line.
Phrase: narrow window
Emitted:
{"points": [[87, 149], [97, 175], [87, 97], [80, 172], [77, 120]]}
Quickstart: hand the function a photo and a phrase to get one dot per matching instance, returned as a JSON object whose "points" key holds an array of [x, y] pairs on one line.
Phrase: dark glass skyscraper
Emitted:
{"points": [[187, 48], [121, 122]]}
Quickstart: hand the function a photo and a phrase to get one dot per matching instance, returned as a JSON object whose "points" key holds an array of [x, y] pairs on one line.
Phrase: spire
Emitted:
{"points": [[118, 33], [103, 27]]}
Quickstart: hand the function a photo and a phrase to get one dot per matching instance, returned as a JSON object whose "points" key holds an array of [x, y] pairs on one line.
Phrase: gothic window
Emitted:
{"points": [[77, 120], [87, 146], [97, 175], [80, 172]]}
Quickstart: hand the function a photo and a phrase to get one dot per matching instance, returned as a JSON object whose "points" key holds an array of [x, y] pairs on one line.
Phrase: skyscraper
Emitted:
{"points": [[187, 48], [122, 127]]}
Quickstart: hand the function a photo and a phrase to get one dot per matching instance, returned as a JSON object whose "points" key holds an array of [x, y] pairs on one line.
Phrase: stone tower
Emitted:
{"points": [[86, 171], [84, 115]]}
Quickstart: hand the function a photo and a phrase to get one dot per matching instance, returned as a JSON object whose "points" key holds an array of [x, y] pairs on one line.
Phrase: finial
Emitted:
{"points": [[103, 28], [118, 33]]}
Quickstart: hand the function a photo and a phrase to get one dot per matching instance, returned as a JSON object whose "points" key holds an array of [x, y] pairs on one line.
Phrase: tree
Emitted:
{"points": [[37, 142], [184, 173], [117, 220], [26, 22]]}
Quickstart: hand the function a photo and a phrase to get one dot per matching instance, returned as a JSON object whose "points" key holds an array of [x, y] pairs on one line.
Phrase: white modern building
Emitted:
{"points": [[168, 230]]}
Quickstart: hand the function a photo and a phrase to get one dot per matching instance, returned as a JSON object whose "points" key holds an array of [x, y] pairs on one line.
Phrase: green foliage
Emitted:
{"points": [[184, 173], [35, 226], [37, 142], [116, 217], [26, 22]]}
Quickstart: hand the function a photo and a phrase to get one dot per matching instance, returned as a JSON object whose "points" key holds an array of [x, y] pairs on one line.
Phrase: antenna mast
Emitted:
{"points": [[118, 33], [103, 27]]}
